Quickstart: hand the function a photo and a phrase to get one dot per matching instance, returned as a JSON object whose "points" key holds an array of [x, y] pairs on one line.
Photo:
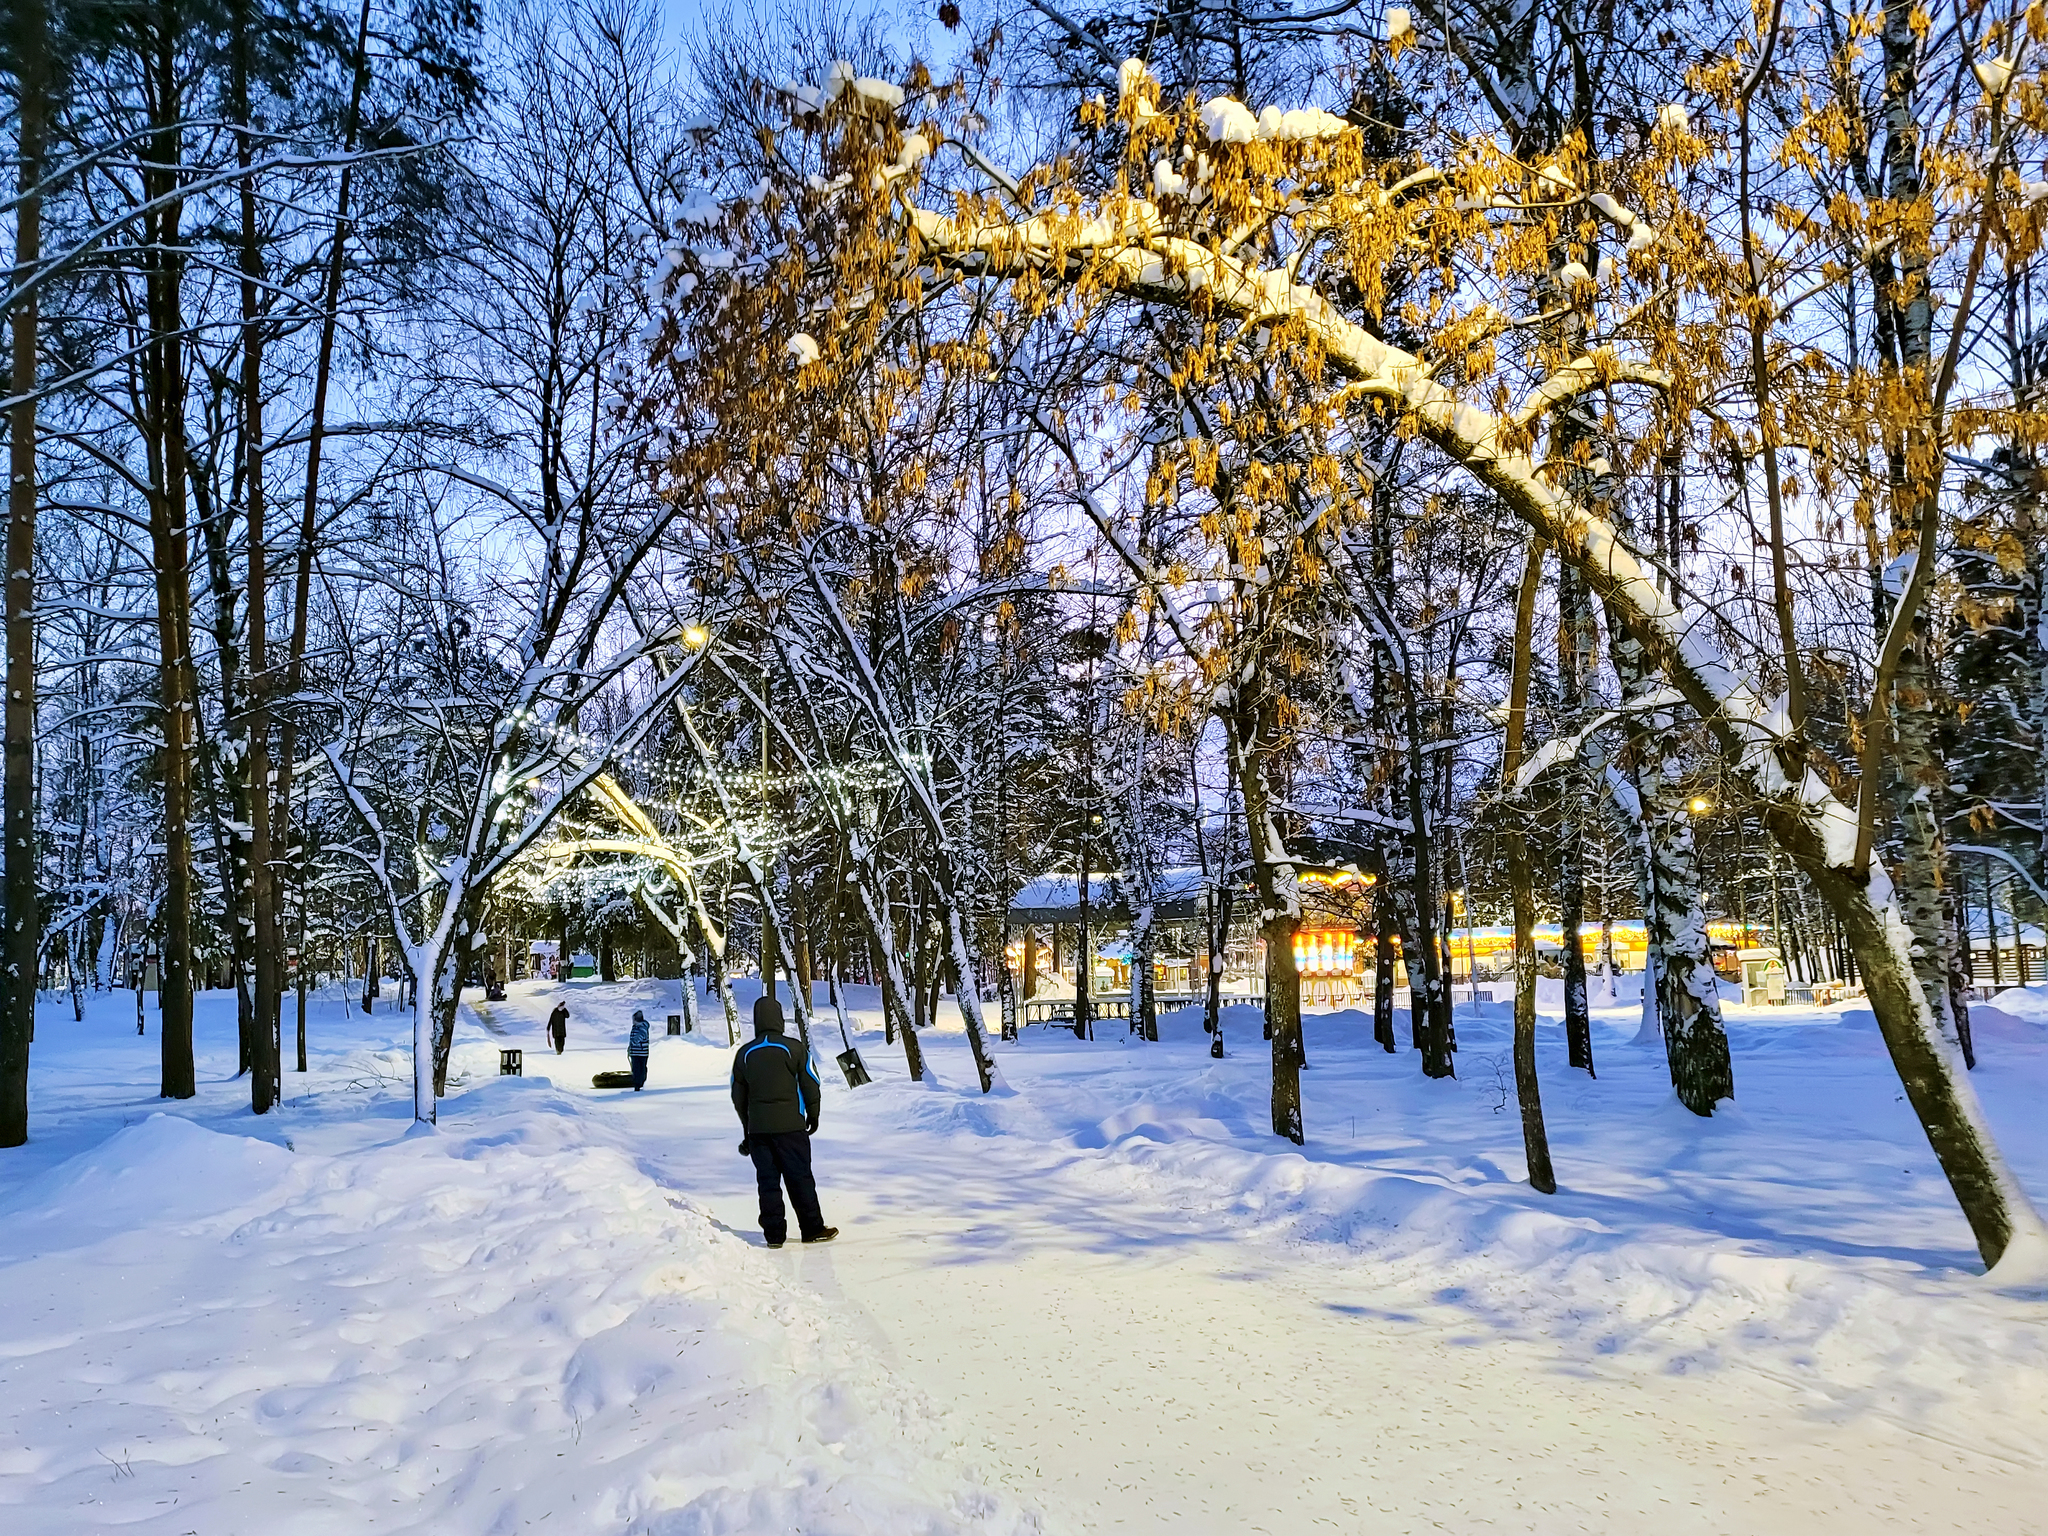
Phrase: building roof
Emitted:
{"points": [[1057, 898]]}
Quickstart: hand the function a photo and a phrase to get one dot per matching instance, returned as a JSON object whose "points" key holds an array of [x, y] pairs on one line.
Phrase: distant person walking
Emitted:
{"points": [[558, 1027], [778, 1097], [636, 1050]]}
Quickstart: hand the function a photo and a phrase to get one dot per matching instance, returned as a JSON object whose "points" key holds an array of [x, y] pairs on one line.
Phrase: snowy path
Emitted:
{"points": [[1131, 1352], [1103, 1302]]}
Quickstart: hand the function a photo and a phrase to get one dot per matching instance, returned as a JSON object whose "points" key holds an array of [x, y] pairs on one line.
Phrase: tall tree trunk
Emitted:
{"points": [[281, 828], [1429, 1018], [19, 899], [1084, 954], [1219, 944], [1144, 946], [1955, 920], [178, 691], [1386, 918], [265, 1077], [1006, 985], [717, 978], [440, 999], [1383, 940], [1575, 617], [896, 1013], [1919, 787], [1249, 730], [716, 982], [1678, 977], [799, 922], [961, 961], [1521, 887], [766, 948], [223, 767], [1283, 1018]]}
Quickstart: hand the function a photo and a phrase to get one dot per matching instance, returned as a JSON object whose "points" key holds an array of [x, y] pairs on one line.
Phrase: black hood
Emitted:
{"points": [[767, 1017]]}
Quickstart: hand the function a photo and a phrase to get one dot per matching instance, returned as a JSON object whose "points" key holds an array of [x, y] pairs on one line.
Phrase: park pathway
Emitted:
{"points": [[1126, 1360]]}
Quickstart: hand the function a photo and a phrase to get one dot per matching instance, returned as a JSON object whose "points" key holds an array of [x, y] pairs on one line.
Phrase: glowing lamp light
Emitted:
{"points": [[1700, 805]]}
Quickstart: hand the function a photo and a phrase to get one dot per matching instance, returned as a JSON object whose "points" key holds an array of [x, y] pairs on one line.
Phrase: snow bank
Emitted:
{"points": [[2028, 1004], [472, 1330], [164, 1172]]}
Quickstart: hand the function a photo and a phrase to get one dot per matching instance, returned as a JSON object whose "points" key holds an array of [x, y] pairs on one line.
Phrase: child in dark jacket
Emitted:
{"points": [[636, 1050]]}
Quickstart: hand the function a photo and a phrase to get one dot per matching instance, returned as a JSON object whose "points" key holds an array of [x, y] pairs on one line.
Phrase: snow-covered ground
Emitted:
{"points": [[1105, 1299]]}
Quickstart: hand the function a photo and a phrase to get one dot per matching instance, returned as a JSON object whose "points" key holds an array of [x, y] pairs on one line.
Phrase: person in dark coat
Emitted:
{"points": [[776, 1093], [636, 1050], [558, 1027]]}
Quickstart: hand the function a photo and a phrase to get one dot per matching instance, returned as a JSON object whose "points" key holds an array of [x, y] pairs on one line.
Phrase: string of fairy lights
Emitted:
{"points": [[689, 796], [866, 775]]}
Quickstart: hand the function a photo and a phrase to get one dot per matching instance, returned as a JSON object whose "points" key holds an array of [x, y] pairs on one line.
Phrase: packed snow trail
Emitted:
{"points": [[1106, 1301], [1146, 1318]]}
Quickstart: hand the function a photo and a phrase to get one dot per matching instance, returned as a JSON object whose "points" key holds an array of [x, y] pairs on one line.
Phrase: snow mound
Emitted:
{"points": [[165, 1172], [2029, 1004], [1988, 1021], [485, 1327]]}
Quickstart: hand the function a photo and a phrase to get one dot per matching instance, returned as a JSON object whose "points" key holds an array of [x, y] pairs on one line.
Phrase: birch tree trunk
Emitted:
{"points": [[1955, 922], [1006, 986], [1678, 975], [715, 980], [715, 974], [1918, 786], [672, 924], [895, 1006]]}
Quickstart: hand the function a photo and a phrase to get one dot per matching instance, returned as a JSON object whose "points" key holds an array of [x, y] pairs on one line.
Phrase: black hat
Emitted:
{"points": [[767, 1016]]}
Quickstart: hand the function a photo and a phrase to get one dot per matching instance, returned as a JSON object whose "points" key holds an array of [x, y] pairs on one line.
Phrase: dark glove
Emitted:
{"points": [[810, 1127], [746, 1147]]}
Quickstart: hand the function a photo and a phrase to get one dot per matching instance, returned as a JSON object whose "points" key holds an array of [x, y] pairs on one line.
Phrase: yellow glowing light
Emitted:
{"points": [[696, 636], [1700, 805]]}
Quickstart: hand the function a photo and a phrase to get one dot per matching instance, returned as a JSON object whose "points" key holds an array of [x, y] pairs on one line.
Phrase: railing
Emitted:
{"points": [[1058, 1012], [2026, 967]]}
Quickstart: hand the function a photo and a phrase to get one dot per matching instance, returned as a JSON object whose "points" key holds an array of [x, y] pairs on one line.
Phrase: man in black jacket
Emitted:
{"points": [[777, 1095]]}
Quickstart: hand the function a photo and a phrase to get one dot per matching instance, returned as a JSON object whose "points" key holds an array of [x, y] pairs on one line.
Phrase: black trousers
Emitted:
{"points": [[639, 1066], [785, 1158], [559, 1036]]}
